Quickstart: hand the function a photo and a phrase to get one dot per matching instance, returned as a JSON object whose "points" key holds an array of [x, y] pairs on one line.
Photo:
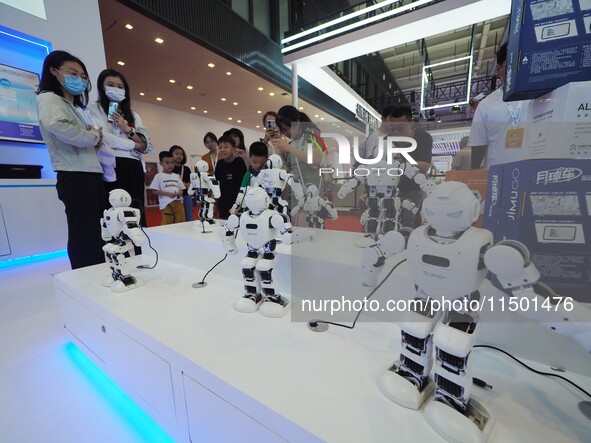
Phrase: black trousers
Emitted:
{"points": [[83, 195], [130, 177]]}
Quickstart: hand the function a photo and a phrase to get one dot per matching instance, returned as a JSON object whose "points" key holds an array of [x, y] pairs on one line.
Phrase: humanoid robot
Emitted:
{"points": [[383, 202], [121, 230], [259, 226], [314, 206], [207, 190], [448, 258], [274, 180]]}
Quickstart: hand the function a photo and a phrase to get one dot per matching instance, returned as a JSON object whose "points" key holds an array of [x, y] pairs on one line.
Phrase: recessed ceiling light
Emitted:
{"points": [[128, 26], [316, 115], [172, 80], [301, 108], [205, 111], [159, 40], [229, 118], [193, 108], [141, 93], [159, 99], [211, 65], [321, 118], [258, 126], [238, 121], [189, 87], [120, 63], [259, 112], [235, 103], [223, 99], [271, 94], [260, 88], [228, 73]]}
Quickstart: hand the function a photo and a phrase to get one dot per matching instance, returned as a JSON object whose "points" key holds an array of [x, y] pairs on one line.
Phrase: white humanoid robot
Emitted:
{"points": [[121, 230], [259, 226], [383, 202], [447, 258], [274, 180], [314, 206], [207, 189]]}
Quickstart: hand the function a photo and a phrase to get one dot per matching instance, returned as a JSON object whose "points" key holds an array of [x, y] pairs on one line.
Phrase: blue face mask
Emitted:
{"points": [[74, 85]]}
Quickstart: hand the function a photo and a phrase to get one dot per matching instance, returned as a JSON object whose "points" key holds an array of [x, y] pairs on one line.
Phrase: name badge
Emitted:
{"points": [[514, 138]]}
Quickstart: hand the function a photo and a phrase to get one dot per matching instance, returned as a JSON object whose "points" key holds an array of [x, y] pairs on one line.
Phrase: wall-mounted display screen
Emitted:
{"points": [[18, 105]]}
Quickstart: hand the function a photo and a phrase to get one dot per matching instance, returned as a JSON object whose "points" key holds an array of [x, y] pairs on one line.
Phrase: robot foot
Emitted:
{"points": [[203, 225], [402, 390], [274, 306], [473, 426], [366, 241], [249, 303], [129, 284], [107, 281]]}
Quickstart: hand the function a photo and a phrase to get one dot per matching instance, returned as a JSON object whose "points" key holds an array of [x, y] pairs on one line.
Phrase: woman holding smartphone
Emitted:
{"points": [[125, 133]]}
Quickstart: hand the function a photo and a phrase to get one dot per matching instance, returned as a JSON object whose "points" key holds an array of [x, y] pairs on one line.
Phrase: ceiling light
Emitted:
{"points": [[260, 88], [235, 103], [321, 118], [172, 80], [229, 118], [189, 87], [159, 40], [205, 111], [301, 108], [316, 115], [120, 63], [259, 112], [211, 65], [128, 26], [258, 126], [238, 121], [223, 99], [141, 93], [228, 73], [271, 94], [193, 108], [159, 99]]}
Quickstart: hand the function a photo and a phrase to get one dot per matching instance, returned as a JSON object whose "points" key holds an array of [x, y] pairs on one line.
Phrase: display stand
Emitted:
{"points": [[205, 372]]}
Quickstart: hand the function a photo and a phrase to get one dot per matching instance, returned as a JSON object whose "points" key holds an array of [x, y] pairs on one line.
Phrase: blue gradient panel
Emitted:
{"points": [[23, 261], [124, 406], [22, 51]]}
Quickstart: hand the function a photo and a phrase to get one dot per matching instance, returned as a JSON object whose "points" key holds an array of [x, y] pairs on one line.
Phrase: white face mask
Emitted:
{"points": [[115, 94]]}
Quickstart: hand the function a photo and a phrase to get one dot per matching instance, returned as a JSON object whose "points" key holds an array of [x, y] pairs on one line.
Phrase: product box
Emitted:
{"points": [[561, 123], [549, 46], [546, 205], [477, 180]]}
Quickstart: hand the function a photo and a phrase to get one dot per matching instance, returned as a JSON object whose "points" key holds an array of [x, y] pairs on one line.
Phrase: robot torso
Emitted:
{"points": [[256, 230], [270, 180]]}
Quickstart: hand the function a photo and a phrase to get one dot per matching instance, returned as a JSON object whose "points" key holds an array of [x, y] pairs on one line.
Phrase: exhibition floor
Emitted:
{"points": [[46, 396]]}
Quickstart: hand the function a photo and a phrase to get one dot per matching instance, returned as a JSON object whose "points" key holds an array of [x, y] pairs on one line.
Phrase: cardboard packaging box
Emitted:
{"points": [[546, 205], [561, 123], [549, 46]]}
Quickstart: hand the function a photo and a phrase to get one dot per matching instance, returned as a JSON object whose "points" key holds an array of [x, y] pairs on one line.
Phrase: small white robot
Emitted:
{"points": [[449, 258], [120, 228], [315, 207], [383, 203], [259, 227], [207, 190], [274, 180]]}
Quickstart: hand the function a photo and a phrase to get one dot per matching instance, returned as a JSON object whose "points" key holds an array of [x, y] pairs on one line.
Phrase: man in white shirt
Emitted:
{"points": [[497, 127]]}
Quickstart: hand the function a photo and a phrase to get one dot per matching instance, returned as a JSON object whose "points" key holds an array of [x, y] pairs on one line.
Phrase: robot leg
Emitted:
{"points": [[108, 281], [390, 222], [452, 407], [124, 281], [208, 213], [274, 304], [252, 298], [373, 216], [407, 381]]}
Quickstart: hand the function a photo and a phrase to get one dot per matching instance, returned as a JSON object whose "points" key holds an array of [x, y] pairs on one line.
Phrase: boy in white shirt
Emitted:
{"points": [[169, 188]]}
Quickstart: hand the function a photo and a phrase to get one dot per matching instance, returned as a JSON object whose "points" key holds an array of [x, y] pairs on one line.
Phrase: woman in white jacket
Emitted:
{"points": [[125, 134]]}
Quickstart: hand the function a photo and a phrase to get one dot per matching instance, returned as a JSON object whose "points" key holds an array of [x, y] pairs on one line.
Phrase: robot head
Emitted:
{"points": [[202, 166], [274, 161], [312, 190], [451, 208], [119, 198], [256, 200]]}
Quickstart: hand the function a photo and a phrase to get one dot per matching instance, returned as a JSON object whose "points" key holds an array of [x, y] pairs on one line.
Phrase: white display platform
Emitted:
{"points": [[207, 373]]}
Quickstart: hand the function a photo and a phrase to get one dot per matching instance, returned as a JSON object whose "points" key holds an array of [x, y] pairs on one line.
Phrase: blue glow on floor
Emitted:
{"points": [[124, 406], [22, 261]]}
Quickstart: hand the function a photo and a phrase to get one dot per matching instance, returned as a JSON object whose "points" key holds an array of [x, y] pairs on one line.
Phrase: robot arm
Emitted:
{"points": [[130, 219], [214, 186], [374, 257], [296, 208], [105, 234], [298, 190], [330, 209], [226, 234], [509, 261], [194, 183], [288, 235], [412, 172], [348, 187]]}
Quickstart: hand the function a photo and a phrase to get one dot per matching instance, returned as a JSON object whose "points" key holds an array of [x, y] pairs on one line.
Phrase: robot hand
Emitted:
{"points": [[228, 240], [332, 211], [290, 236], [509, 261], [375, 256], [347, 188], [298, 190], [296, 209], [235, 209], [137, 236]]}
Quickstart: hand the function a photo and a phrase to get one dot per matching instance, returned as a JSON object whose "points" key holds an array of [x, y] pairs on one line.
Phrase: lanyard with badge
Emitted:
{"points": [[514, 138]]}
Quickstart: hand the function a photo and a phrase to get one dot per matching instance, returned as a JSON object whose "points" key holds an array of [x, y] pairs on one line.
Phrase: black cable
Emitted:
{"points": [[213, 267], [152, 248], [549, 374], [315, 322]]}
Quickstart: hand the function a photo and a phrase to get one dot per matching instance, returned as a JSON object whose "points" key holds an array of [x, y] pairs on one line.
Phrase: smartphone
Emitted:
{"points": [[112, 108], [270, 124]]}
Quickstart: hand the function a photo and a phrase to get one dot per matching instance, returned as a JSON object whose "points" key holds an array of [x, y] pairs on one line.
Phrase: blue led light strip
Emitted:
{"points": [[26, 38], [132, 413], [21, 261]]}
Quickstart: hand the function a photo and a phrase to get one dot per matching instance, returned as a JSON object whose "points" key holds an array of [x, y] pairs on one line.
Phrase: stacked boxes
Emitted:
{"points": [[546, 205]]}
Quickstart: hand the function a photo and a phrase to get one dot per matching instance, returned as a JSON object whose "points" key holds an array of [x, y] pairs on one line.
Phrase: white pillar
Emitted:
{"points": [[294, 85]]}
